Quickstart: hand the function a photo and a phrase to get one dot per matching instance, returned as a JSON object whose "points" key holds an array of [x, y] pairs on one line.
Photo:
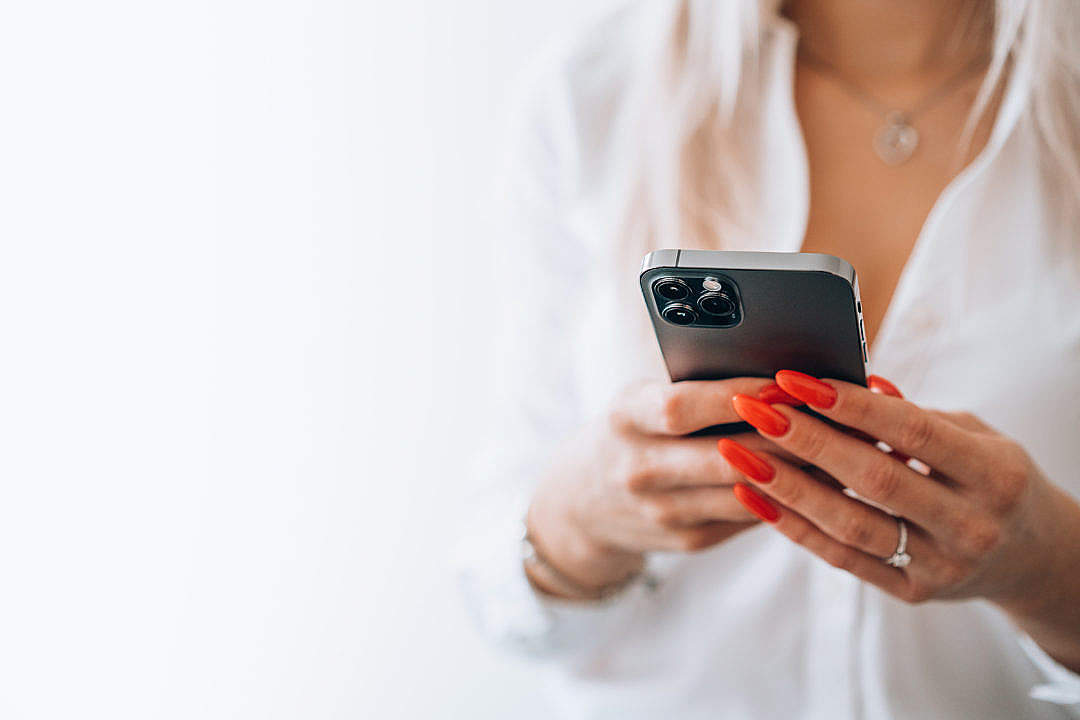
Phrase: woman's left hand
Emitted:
{"points": [[984, 522]]}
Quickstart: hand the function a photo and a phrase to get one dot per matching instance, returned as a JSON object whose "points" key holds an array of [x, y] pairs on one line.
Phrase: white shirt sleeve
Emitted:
{"points": [[542, 270], [1062, 686], [511, 613]]}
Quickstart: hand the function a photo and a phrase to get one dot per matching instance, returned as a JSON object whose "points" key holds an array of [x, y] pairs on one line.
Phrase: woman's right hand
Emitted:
{"points": [[634, 482]]}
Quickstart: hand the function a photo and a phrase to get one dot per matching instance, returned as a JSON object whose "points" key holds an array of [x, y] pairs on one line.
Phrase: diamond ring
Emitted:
{"points": [[900, 558]]}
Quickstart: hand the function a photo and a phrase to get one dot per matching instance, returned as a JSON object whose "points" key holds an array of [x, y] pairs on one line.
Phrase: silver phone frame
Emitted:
{"points": [[763, 260]]}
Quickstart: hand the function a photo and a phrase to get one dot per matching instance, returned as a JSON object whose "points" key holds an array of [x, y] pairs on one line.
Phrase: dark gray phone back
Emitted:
{"points": [[794, 311]]}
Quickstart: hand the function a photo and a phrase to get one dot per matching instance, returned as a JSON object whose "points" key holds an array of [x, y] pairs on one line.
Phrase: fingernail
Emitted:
{"points": [[774, 394], [760, 415], [878, 384], [745, 461], [756, 504], [807, 388]]}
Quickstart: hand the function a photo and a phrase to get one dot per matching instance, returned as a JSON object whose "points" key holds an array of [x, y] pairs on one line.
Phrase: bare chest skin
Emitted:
{"points": [[862, 209]]}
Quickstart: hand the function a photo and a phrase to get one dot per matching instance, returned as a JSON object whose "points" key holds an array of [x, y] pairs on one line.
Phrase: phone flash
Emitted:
{"points": [[711, 284]]}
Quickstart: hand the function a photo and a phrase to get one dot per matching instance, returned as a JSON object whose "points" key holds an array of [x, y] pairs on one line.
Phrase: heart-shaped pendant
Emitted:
{"points": [[896, 141]]}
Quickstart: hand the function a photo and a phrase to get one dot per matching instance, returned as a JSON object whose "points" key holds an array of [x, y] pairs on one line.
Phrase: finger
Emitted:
{"points": [[881, 386], [688, 507], [683, 407], [858, 466], [844, 557], [686, 462], [964, 420], [903, 425], [860, 435], [756, 442], [702, 537], [851, 522], [822, 477]]}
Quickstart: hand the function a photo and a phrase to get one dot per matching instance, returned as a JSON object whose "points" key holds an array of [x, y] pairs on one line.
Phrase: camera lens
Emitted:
{"points": [[717, 303], [671, 289], [679, 314]]}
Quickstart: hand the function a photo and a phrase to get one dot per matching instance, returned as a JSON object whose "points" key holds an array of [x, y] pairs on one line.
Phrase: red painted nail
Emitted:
{"points": [[878, 384], [775, 395], [760, 415], [745, 461], [807, 388], [756, 504]]}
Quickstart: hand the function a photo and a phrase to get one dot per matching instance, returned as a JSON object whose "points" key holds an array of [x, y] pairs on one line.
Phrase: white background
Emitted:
{"points": [[238, 384]]}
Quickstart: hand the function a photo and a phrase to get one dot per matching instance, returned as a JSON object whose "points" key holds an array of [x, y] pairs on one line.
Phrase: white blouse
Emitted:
{"points": [[986, 318]]}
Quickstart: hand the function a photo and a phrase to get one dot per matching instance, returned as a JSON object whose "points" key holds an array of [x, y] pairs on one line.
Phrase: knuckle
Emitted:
{"points": [[854, 406], [840, 557], [636, 474], [811, 443], [881, 479], [662, 513], [855, 531], [673, 410], [637, 480], [694, 540], [941, 514], [954, 573], [791, 494], [979, 535], [1012, 478], [967, 419], [917, 432], [801, 535]]}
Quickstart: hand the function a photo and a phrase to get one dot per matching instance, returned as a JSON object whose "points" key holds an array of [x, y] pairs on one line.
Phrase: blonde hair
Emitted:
{"points": [[697, 75]]}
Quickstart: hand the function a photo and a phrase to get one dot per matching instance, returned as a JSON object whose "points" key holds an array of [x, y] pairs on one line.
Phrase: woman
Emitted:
{"points": [[936, 146]]}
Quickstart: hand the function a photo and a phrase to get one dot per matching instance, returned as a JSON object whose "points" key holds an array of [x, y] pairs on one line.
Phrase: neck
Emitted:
{"points": [[893, 40]]}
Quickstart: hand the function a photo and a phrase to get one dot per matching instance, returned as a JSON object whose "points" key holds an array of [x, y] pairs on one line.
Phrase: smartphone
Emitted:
{"points": [[722, 314]]}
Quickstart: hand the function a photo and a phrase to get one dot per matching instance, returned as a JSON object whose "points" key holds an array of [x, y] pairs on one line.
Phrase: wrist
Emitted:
{"points": [[1048, 609], [574, 564]]}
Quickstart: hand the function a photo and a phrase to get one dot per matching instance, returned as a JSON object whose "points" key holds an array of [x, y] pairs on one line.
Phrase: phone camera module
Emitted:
{"points": [[671, 289], [719, 304], [679, 314]]}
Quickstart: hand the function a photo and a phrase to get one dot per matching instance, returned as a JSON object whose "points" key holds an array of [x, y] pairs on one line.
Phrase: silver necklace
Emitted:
{"points": [[896, 140]]}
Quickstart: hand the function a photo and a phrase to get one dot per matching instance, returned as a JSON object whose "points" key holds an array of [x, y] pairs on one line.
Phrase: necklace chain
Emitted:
{"points": [[897, 139]]}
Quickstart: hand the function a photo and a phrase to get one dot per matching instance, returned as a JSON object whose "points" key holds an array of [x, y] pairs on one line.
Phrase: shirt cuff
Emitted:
{"points": [[1063, 686], [509, 611]]}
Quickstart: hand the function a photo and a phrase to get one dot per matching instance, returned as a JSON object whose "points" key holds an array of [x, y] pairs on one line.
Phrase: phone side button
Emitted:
{"points": [[865, 353]]}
